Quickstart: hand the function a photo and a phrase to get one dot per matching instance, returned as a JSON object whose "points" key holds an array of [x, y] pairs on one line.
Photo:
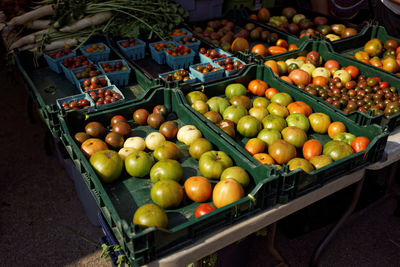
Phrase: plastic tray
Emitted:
{"points": [[204, 59], [358, 117], [106, 106], [96, 56], [76, 98], [209, 76], [159, 56], [180, 62], [68, 72], [119, 78], [298, 182], [135, 52], [118, 201], [190, 81], [193, 46], [55, 63], [79, 82], [232, 72]]}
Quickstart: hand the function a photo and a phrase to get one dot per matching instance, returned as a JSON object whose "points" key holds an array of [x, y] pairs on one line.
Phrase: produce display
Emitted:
{"points": [[211, 53], [188, 39], [111, 67], [94, 48], [179, 51], [77, 104], [161, 46], [61, 52], [178, 75], [94, 83], [179, 32], [103, 96], [75, 62], [297, 24], [130, 42], [90, 71], [230, 64], [344, 87]]}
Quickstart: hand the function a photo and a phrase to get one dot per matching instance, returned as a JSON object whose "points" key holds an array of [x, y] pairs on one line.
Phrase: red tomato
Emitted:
{"points": [[384, 85], [377, 79], [360, 143], [203, 209], [353, 71], [258, 87]]}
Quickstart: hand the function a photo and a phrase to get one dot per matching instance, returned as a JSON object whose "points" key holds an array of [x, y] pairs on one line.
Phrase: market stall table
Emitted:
{"points": [[222, 238]]}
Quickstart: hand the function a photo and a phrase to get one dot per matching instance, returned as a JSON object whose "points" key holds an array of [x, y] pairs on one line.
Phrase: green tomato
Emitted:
{"points": [[213, 163], [345, 137]]}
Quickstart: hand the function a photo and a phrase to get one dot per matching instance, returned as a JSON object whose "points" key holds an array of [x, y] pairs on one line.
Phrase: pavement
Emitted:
{"points": [[43, 222]]}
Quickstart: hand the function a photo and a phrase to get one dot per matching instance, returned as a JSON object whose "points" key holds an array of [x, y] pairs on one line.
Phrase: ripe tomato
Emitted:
{"points": [[286, 79], [198, 188], [264, 158], [384, 85], [353, 71], [273, 65], [335, 128], [312, 148], [254, 146], [270, 92], [282, 43], [331, 63], [360, 143], [275, 50], [299, 107], [203, 209], [320, 80], [260, 49], [293, 47], [226, 192], [258, 87]]}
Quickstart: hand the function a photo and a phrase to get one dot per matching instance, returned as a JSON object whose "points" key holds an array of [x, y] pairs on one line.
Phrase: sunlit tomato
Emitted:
{"points": [[299, 107], [258, 87], [254, 146], [282, 43], [270, 92], [335, 128], [286, 79], [332, 65], [273, 65], [293, 47], [384, 85], [275, 50], [300, 77], [198, 188], [264, 158], [360, 143], [312, 148], [353, 71], [226, 192], [260, 49], [203, 209], [320, 80]]}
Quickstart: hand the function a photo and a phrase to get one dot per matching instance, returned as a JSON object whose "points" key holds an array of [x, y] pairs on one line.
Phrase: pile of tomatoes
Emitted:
{"points": [[76, 104], [130, 42], [161, 46], [90, 71], [111, 67], [211, 53], [179, 51], [94, 48], [61, 53], [93, 83], [75, 62]]}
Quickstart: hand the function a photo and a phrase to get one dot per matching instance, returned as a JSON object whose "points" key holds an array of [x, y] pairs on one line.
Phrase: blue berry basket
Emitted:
{"points": [[55, 63], [76, 70], [108, 88], [205, 77], [80, 83], [232, 72], [165, 74], [194, 46], [96, 56], [180, 62], [68, 72], [119, 78], [159, 56], [76, 98], [135, 52], [204, 59]]}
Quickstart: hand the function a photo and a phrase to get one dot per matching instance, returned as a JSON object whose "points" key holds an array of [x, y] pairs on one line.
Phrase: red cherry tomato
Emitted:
{"points": [[203, 209], [360, 143], [384, 85], [377, 79]]}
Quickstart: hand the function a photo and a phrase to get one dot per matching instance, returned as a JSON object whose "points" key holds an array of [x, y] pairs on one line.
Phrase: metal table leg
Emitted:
{"points": [[342, 220]]}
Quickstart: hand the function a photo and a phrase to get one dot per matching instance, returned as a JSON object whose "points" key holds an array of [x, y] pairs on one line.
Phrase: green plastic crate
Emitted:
{"points": [[296, 183], [119, 200], [349, 46], [323, 48]]}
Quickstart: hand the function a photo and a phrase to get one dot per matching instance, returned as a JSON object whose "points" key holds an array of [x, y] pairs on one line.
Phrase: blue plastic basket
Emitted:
{"points": [[159, 56], [135, 52], [55, 63], [232, 72], [194, 46], [79, 84], [180, 62], [75, 80], [108, 88], [181, 29], [204, 59], [165, 74], [96, 56], [76, 98], [68, 72], [204, 77], [119, 78]]}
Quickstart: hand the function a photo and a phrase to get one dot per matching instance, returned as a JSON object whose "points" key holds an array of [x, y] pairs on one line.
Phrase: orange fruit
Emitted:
{"points": [[312, 148], [260, 49], [270, 92], [239, 44], [335, 128], [273, 65], [320, 80]]}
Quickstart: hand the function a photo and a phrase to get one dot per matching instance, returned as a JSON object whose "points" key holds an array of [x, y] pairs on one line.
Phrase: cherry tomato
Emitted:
{"points": [[377, 79], [360, 143], [203, 209], [384, 85]]}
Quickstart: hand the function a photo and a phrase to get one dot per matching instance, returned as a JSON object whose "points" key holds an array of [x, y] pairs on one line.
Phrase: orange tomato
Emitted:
{"points": [[312, 148], [273, 65], [227, 191], [257, 87], [260, 49], [286, 79], [299, 107], [282, 43], [353, 71], [365, 61], [198, 188], [301, 58], [255, 146], [320, 80], [335, 128], [360, 143], [270, 92], [275, 50], [264, 158], [293, 47]]}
